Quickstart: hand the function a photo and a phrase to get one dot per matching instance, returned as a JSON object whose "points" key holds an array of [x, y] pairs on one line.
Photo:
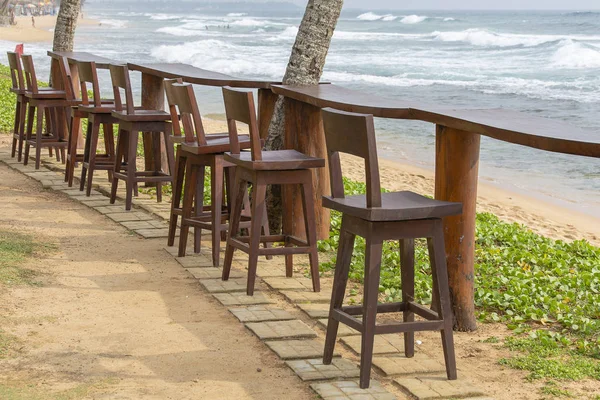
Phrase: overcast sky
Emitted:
{"points": [[472, 4]]}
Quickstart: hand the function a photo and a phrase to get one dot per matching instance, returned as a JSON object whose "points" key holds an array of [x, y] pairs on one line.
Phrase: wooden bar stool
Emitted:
{"points": [[200, 151], [97, 113], [19, 89], [132, 121], [180, 161], [50, 103], [377, 217], [262, 168]]}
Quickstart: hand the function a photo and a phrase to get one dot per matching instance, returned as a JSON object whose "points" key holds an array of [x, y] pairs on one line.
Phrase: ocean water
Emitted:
{"points": [[542, 63]]}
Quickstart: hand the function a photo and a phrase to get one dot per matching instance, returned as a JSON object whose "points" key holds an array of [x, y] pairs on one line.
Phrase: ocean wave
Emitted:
{"points": [[225, 57], [114, 23], [413, 19], [288, 33], [182, 31], [481, 37], [448, 19], [236, 14], [371, 16], [162, 17], [576, 55]]}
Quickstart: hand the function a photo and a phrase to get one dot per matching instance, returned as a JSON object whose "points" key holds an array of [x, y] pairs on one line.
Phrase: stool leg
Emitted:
{"points": [[407, 271], [199, 207], [311, 230], [439, 272], [30, 118], [72, 149], [13, 151], [86, 154], [92, 156], [131, 168], [157, 163], [286, 229], [178, 174], [38, 136], [119, 157], [372, 268], [238, 195], [340, 279], [259, 192], [188, 201], [216, 199], [109, 145], [22, 130]]}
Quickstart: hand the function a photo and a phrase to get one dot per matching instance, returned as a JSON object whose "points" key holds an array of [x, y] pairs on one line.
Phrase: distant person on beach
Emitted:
{"points": [[33, 21]]}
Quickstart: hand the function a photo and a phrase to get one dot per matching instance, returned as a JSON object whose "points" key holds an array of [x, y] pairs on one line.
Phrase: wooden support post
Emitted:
{"points": [[456, 172], [304, 132], [266, 105], [153, 98]]}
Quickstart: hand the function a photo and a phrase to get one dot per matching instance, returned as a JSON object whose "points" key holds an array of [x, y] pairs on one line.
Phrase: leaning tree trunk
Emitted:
{"points": [[4, 17], [66, 22], [305, 67]]}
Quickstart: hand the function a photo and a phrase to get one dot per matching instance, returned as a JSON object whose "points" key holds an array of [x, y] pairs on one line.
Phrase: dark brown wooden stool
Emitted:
{"points": [[98, 113], [377, 217], [133, 121], [200, 151], [51, 103], [19, 89], [180, 161], [262, 168]]}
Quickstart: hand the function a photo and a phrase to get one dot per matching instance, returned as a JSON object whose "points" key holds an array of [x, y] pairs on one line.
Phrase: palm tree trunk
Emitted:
{"points": [[305, 67], [66, 22]]}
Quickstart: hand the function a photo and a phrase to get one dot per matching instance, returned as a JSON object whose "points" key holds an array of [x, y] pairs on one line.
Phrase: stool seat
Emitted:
{"points": [[18, 91], [215, 145], [47, 94], [276, 160], [395, 206], [142, 116], [176, 139]]}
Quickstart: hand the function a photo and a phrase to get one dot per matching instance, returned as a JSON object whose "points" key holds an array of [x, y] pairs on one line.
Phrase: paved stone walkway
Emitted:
{"points": [[282, 329]]}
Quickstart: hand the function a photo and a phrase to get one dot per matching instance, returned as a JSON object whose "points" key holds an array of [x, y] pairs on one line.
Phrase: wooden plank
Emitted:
{"points": [[266, 105], [304, 133], [77, 56], [198, 76], [153, 98], [456, 171]]}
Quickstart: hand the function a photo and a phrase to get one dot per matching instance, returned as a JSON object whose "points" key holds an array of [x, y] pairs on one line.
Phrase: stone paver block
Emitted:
{"points": [[110, 209], [220, 286], [384, 344], [438, 387], [324, 296], [133, 225], [350, 390], [126, 216], [195, 261], [298, 349], [241, 298], [319, 310], [74, 192], [100, 202], [343, 329], [266, 269], [284, 283], [293, 329], [213, 273], [400, 365], [153, 233], [260, 314], [315, 370]]}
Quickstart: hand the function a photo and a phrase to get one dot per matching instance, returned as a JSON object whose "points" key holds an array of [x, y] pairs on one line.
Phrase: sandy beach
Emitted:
{"points": [[24, 32]]}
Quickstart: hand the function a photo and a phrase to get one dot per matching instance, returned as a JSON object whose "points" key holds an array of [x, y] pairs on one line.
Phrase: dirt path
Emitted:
{"points": [[115, 317]]}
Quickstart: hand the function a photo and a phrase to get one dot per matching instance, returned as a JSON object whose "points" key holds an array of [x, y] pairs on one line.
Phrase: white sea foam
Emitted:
{"points": [[389, 17], [448, 19], [371, 16], [114, 23], [481, 37], [288, 33], [163, 17], [413, 19], [183, 31], [236, 14], [576, 55]]}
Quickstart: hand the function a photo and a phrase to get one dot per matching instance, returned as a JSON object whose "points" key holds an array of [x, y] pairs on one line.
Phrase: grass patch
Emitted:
{"points": [[31, 391], [8, 101], [15, 249]]}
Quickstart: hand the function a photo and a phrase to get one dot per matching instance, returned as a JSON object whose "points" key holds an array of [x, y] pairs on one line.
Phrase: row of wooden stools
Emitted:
{"points": [[59, 113], [236, 160]]}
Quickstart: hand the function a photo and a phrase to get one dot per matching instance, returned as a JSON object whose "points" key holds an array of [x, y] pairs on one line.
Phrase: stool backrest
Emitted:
{"points": [[184, 100], [88, 74], [119, 74], [171, 102], [353, 134], [29, 70], [239, 107], [66, 77], [16, 70]]}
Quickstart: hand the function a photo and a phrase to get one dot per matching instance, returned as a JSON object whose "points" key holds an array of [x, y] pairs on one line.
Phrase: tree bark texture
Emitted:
{"points": [[305, 67], [66, 22]]}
